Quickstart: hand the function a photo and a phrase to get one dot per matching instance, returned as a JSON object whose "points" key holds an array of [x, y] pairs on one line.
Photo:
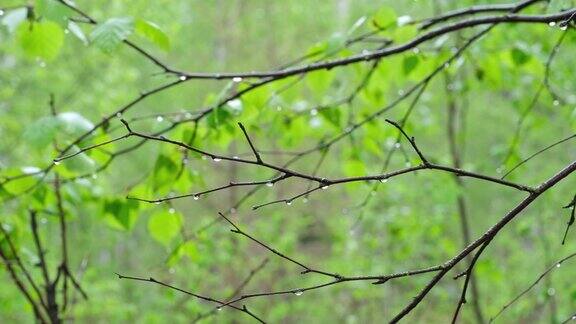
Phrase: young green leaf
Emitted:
{"points": [[558, 5], [153, 32], [385, 18], [73, 123], [165, 225], [41, 132], [77, 31], [409, 63], [53, 10], [42, 39], [519, 57], [111, 33]]}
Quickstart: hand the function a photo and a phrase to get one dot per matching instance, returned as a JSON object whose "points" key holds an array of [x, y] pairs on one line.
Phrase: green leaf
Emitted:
{"points": [[72, 123], [77, 31], [519, 57], [335, 43], [333, 115], [165, 225], [80, 163], [53, 10], [319, 81], [14, 18], [559, 5], [41, 133], [40, 39], [219, 116], [409, 63], [165, 170], [188, 249], [122, 214], [354, 168], [385, 17], [153, 32], [356, 25], [111, 33]]}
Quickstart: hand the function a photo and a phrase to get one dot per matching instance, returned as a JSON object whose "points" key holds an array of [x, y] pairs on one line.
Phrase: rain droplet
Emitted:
{"points": [[314, 112], [218, 308], [171, 270], [185, 161], [324, 187], [397, 145], [42, 64], [216, 159], [196, 197], [552, 24], [401, 92], [183, 78], [556, 102], [298, 292], [171, 210], [157, 203], [551, 291], [237, 79], [383, 180], [408, 164], [159, 119], [305, 200], [235, 157], [204, 157], [94, 176], [270, 184], [288, 202], [564, 27], [56, 162], [119, 115], [1, 12], [232, 210], [558, 265]]}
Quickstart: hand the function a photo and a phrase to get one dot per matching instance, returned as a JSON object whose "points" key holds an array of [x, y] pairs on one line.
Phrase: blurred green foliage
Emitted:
{"points": [[409, 222]]}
